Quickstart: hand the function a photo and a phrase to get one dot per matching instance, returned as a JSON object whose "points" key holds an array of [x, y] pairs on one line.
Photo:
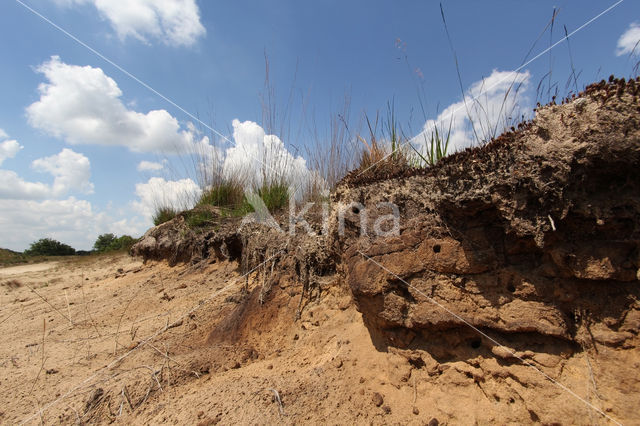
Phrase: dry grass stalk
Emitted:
{"points": [[115, 349], [125, 394], [44, 327], [68, 305], [168, 358], [48, 303], [86, 310], [373, 154], [9, 316]]}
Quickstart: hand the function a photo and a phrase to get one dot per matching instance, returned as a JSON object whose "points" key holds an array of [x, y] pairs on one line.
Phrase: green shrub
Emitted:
{"points": [[125, 242], [103, 242], [109, 242], [163, 214], [49, 247]]}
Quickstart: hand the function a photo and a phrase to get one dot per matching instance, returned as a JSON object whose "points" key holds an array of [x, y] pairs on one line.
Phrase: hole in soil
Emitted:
{"points": [[475, 344], [355, 210], [534, 417], [573, 317], [234, 247], [511, 288], [417, 362], [437, 248]]}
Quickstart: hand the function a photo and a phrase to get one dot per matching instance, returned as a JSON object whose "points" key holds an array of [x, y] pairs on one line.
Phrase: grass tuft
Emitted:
{"points": [[164, 214], [230, 197], [275, 195], [436, 147], [200, 218], [225, 193]]}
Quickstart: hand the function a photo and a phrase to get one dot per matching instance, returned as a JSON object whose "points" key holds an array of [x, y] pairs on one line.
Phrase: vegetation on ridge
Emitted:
{"points": [[49, 247]]}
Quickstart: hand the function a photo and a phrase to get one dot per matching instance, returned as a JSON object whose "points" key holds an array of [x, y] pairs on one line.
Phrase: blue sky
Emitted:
{"points": [[85, 149]]}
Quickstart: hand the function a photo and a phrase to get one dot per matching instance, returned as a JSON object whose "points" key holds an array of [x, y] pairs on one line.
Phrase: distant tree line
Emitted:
{"points": [[104, 243]]}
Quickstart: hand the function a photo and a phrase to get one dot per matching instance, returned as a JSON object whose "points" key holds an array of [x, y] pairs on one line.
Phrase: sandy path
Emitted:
{"points": [[23, 269]]}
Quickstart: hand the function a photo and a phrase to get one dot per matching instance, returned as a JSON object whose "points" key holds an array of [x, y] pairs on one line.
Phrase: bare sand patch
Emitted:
{"points": [[24, 269]]}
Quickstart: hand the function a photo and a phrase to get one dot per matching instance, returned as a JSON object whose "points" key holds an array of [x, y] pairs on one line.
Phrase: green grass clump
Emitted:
{"points": [[163, 214], [230, 198], [238, 211], [226, 193], [437, 146], [199, 218], [275, 195]]}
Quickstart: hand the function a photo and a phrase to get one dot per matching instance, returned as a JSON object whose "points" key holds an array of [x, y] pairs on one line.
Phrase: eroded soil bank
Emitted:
{"points": [[509, 294]]}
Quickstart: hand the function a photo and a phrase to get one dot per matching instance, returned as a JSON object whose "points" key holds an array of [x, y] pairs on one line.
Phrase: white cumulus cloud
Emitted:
{"points": [[71, 171], [174, 22], [490, 104], [629, 41], [82, 105], [13, 187], [158, 192], [256, 155], [150, 166], [8, 149], [71, 221]]}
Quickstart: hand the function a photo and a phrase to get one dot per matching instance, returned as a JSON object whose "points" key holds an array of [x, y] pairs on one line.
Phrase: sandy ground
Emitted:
{"points": [[108, 339], [25, 269]]}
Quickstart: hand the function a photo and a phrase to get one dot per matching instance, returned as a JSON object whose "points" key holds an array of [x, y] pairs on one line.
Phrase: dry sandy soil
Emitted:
{"points": [[25, 269], [110, 339]]}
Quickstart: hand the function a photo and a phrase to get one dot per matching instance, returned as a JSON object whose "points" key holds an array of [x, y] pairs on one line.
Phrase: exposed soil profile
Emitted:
{"points": [[510, 295]]}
